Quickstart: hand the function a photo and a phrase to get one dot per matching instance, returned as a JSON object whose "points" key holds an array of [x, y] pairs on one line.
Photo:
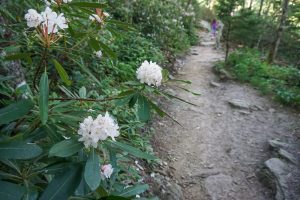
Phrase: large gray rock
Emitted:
{"points": [[215, 84], [218, 186], [279, 170], [240, 104], [283, 173], [278, 144], [166, 188], [288, 156]]}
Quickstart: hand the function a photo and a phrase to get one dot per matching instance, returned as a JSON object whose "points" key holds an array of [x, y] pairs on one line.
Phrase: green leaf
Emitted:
{"points": [[174, 97], [63, 185], [19, 150], [187, 90], [10, 191], [107, 50], [30, 194], [94, 44], [86, 70], [143, 108], [44, 95], [92, 171], [56, 168], [62, 72], [111, 197], [82, 92], [133, 100], [122, 25], [160, 112], [131, 150], [132, 191], [18, 56], [65, 148], [182, 81], [88, 4], [165, 74], [15, 111]]}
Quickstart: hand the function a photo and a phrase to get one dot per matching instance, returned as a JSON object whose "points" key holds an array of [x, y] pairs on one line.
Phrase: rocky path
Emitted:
{"points": [[221, 146]]}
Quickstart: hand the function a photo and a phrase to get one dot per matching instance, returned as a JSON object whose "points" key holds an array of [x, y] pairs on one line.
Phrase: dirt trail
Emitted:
{"points": [[217, 152]]}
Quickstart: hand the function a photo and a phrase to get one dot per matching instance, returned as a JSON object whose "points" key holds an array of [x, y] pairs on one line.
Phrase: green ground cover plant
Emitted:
{"points": [[78, 84], [248, 65]]}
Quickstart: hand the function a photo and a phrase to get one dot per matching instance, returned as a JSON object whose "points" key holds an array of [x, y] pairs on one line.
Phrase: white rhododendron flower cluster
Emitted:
{"points": [[107, 170], [49, 20], [99, 17], [33, 18], [98, 53], [48, 3], [94, 17], [92, 131], [149, 73]]}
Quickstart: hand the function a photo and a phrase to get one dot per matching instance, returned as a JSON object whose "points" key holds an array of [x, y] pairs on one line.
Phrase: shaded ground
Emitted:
{"points": [[219, 149]]}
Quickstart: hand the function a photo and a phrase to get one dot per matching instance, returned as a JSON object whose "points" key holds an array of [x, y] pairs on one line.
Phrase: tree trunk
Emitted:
{"points": [[250, 6], [260, 7], [188, 4], [227, 39], [275, 45]]}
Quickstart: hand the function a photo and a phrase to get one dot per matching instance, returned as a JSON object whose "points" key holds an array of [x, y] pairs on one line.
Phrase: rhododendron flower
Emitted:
{"points": [[85, 131], [33, 18], [106, 14], [94, 17], [48, 3], [149, 73], [98, 53], [107, 170], [92, 131], [105, 126], [52, 21]]}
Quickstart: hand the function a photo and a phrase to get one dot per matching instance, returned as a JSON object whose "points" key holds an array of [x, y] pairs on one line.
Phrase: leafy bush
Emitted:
{"points": [[283, 82], [246, 27], [132, 49], [70, 129], [170, 24]]}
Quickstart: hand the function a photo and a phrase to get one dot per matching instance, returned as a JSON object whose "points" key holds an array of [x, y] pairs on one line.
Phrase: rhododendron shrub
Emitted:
{"points": [[61, 138]]}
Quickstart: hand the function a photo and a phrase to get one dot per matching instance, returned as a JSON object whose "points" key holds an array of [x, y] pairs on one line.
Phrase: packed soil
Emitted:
{"points": [[219, 149]]}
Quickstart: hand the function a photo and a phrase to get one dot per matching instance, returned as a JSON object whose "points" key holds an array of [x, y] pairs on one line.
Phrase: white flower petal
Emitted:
{"points": [[149, 73]]}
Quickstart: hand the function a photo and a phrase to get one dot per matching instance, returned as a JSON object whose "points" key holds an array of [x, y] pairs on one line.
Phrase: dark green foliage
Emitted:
{"points": [[132, 49], [42, 155], [283, 82], [246, 27], [169, 24]]}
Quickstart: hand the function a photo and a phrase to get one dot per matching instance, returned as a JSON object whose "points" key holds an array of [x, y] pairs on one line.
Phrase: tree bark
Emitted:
{"points": [[250, 6], [227, 40], [188, 4], [275, 45], [260, 7]]}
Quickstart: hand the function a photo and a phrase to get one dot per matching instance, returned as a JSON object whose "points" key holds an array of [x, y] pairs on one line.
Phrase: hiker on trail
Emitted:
{"points": [[214, 27], [219, 34]]}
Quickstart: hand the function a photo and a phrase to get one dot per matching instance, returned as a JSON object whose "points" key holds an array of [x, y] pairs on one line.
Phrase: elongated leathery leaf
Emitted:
{"points": [[143, 108], [44, 95], [131, 150], [132, 191], [65, 148], [11, 191], [19, 150], [63, 185], [15, 111], [92, 171], [62, 72]]}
